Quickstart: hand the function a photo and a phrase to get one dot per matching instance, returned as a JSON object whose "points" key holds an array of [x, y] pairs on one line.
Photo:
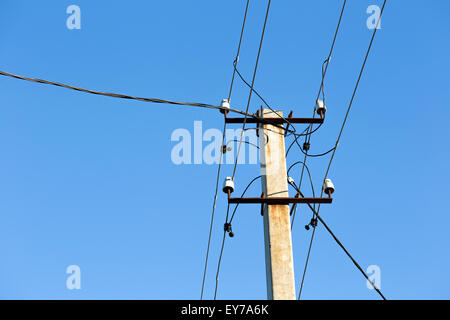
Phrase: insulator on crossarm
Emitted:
{"points": [[328, 187], [225, 105], [291, 181], [228, 185], [320, 109]]}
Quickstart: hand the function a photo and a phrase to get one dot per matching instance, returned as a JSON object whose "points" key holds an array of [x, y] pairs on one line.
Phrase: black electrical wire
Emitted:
{"points": [[123, 96], [323, 83], [263, 100], [316, 214], [309, 175], [295, 186], [243, 193], [321, 87], [221, 155], [221, 254], [313, 155], [306, 262], [324, 71], [343, 125], [265, 134], [238, 50], [247, 142], [308, 137], [153, 100], [349, 255], [303, 134], [212, 214], [305, 153], [253, 82], [355, 90]]}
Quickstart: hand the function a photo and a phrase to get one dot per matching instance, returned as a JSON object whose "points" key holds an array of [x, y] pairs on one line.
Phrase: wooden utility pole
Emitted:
{"points": [[277, 224]]}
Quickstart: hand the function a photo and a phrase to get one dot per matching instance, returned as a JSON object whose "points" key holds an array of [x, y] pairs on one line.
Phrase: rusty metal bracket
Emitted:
{"points": [[279, 200], [262, 204], [291, 114], [294, 205], [274, 120]]}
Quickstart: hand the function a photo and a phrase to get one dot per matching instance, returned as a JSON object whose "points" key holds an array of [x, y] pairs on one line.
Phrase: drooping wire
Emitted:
{"points": [[341, 130], [315, 155], [264, 101], [305, 153], [123, 96], [221, 155], [153, 100], [243, 193], [247, 142], [298, 135], [307, 169], [312, 187]]}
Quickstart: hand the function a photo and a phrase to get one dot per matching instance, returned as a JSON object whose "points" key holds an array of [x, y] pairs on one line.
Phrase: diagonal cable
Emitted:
{"points": [[344, 122]]}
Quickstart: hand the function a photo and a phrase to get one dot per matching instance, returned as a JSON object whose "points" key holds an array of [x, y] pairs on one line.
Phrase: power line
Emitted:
{"points": [[310, 181], [240, 143], [343, 125], [355, 90], [316, 213], [324, 73], [308, 134], [312, 155], [349, 255], [312, 188], [306, 263], [123, 96], [238, 50], [221, 254], [212, 215], [246, 142], [264, 101], [251, 88], [221, 155], [304, 133], [243, 193]]}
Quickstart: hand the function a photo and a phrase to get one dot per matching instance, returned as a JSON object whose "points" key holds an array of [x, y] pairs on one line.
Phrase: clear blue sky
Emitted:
{"points": [[88, 180]]}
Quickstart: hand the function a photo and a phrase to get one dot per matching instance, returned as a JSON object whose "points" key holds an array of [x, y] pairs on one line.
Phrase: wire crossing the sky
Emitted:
{"points": [[251, 88], [340, 134], [221, 156], [324, 73], [307, 133], [123, 96]]}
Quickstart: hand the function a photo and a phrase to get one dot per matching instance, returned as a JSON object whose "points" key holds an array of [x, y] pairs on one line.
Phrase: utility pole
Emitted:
{"points": [[277, 224], [275, 199]]}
